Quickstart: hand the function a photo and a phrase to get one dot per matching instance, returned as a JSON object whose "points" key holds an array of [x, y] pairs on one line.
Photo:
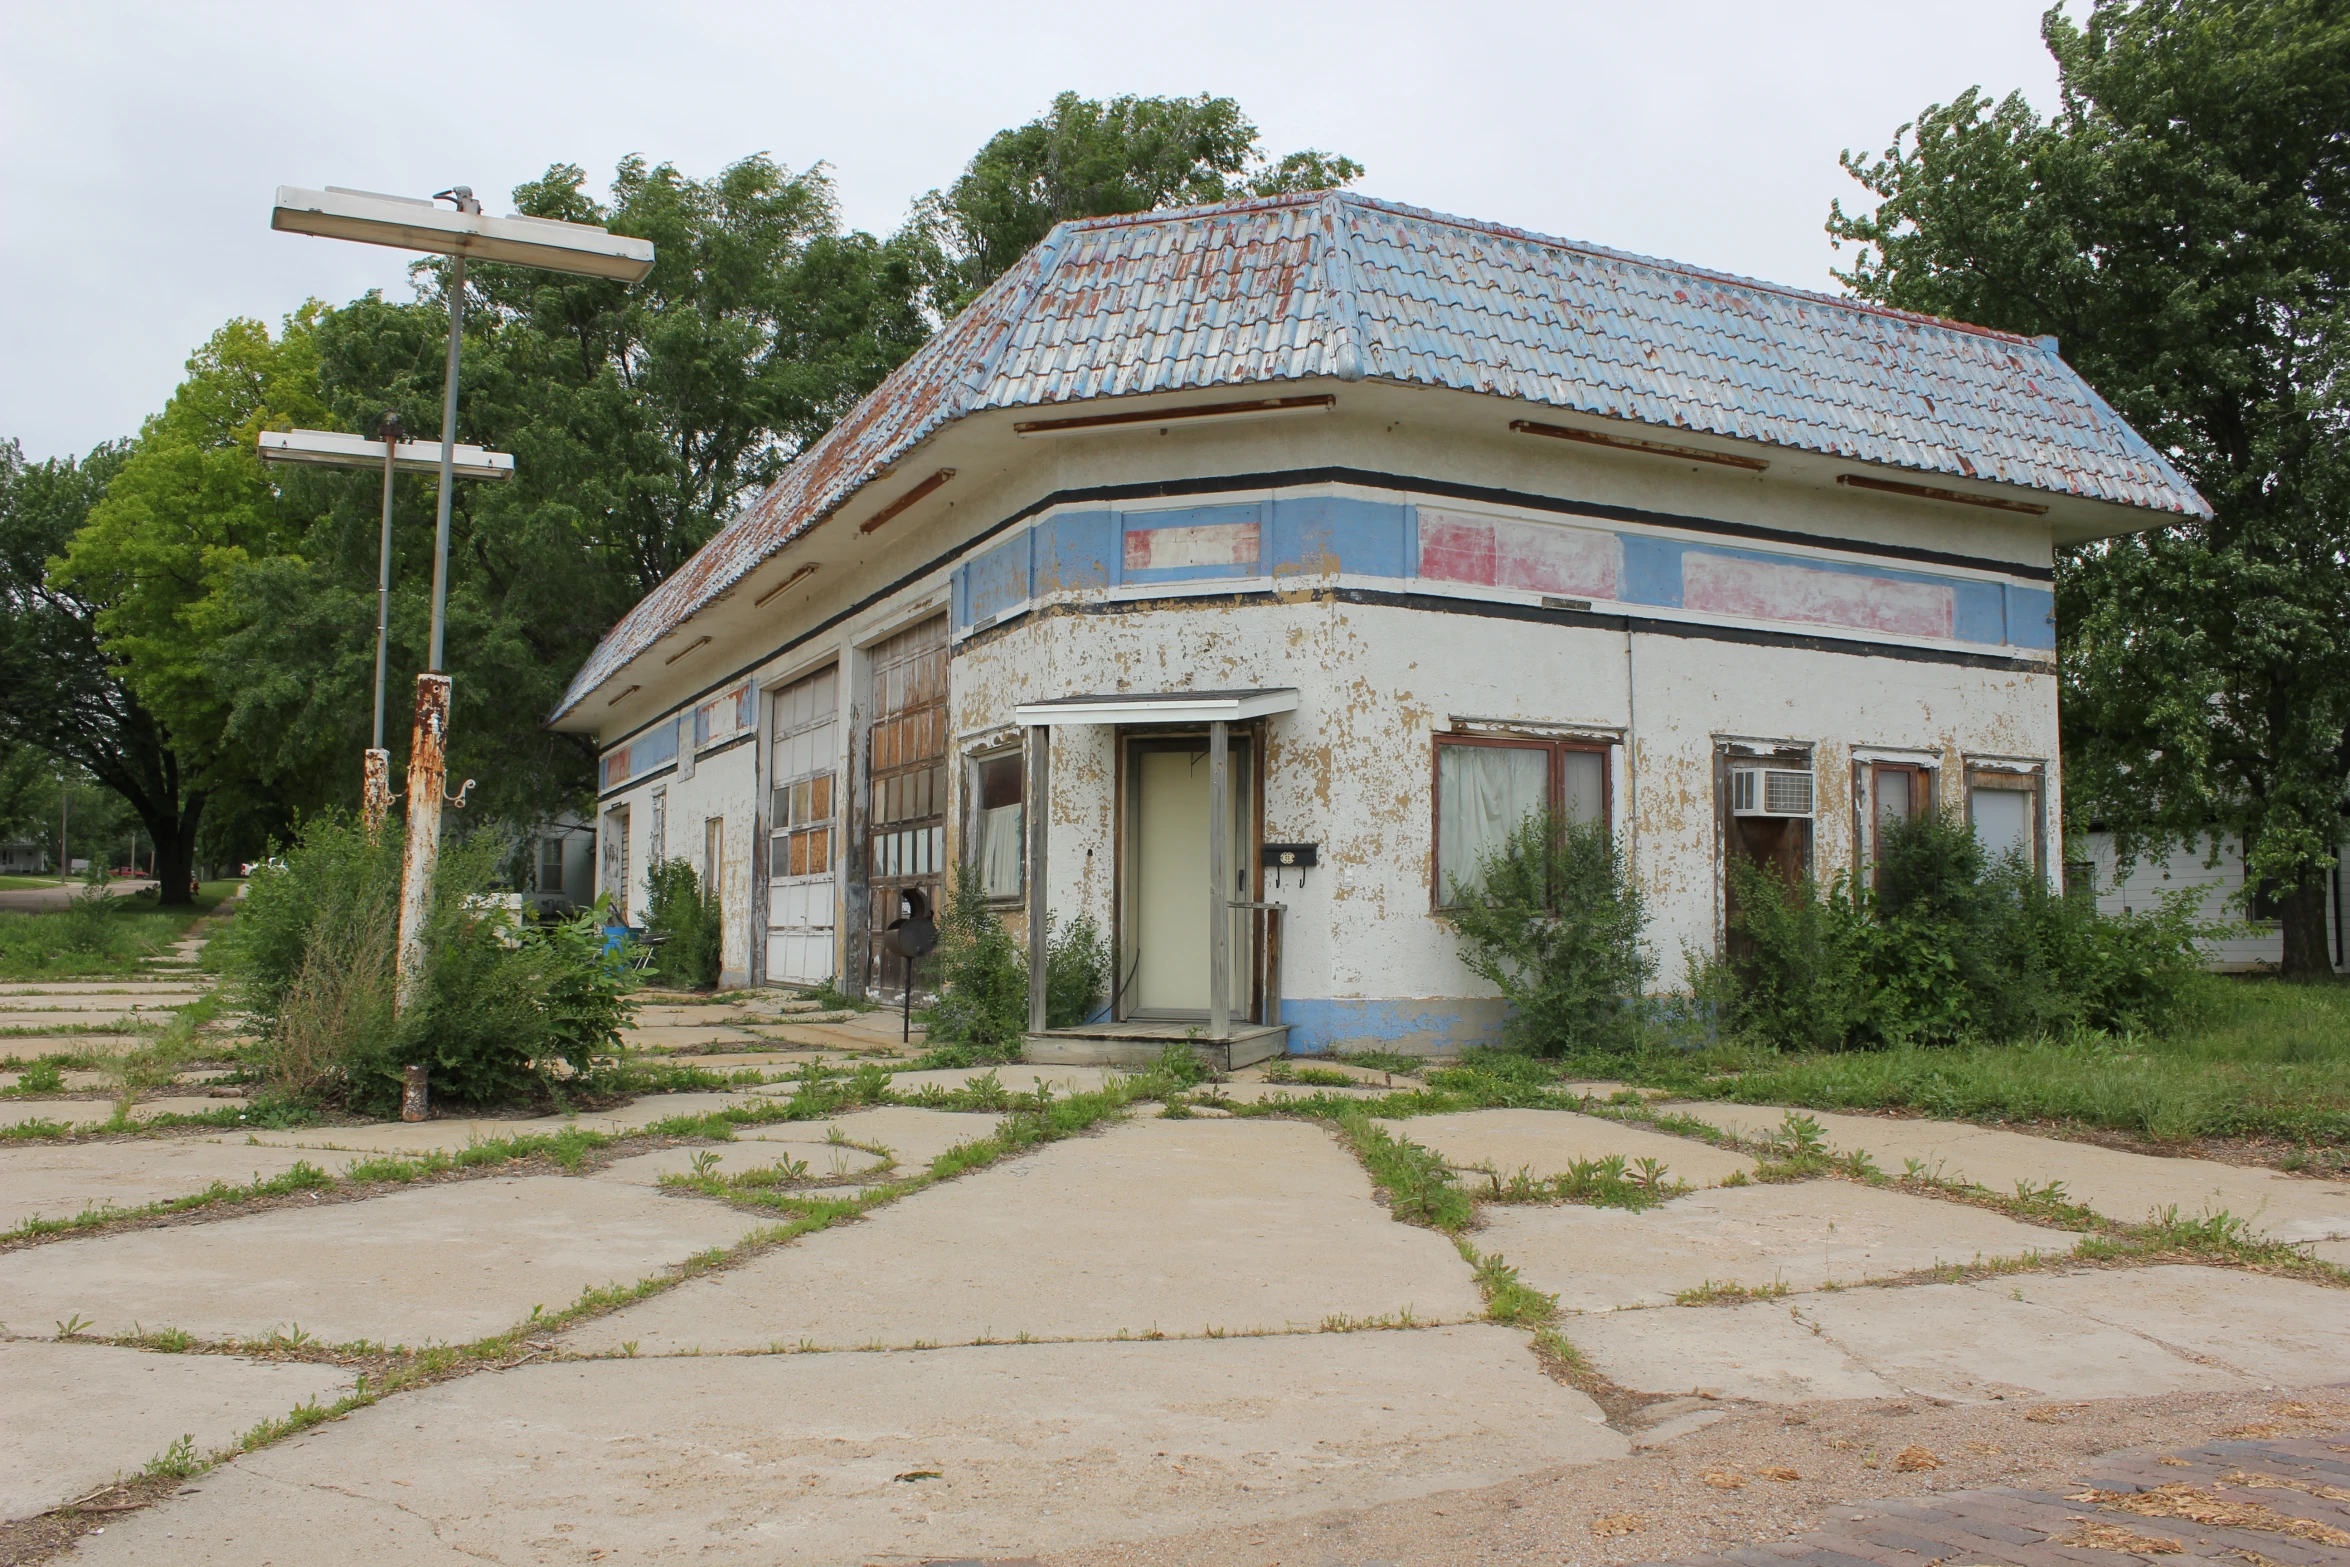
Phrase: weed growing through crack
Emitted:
{"points": [[1607, 1182], [1726, 1293], [175, 1462]]}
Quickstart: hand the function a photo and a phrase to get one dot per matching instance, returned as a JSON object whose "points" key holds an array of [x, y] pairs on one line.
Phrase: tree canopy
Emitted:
{"points": [[2181, 223], [230, 608], [1086, 159], [61, 692]]}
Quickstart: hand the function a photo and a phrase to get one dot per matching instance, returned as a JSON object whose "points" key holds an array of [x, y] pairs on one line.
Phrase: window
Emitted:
{"points": [[713, 852], [1898, 792], [616, 863], [551, 865], [996, 821], [2005, 811], [800, 814], [1485, 789]]}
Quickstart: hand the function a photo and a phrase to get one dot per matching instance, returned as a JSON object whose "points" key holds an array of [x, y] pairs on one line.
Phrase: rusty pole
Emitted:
{"points": [[375, 795], [428, 744], [427, 779]]}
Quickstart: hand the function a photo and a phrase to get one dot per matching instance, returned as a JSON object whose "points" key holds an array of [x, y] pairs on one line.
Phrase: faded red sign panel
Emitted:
{"points": [[1537, 557], [1762, 590]]}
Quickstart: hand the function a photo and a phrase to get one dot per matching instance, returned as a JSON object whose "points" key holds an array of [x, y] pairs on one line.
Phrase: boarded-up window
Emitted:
{"points": [[906, 801], [2005, 811]]}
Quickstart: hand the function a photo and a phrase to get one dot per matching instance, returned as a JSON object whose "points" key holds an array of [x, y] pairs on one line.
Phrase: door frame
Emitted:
{"points": [[1126, 740]]}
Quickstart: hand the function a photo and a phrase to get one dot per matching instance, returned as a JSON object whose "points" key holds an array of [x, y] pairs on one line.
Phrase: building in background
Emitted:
{"points": [[1421, 524]]}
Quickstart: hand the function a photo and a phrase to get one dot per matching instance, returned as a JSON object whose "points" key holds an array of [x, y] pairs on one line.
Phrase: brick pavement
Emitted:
{"points": [[2265, 1504]]}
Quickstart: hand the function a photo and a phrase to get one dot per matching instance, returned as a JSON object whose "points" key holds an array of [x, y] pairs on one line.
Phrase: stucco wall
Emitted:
{"points": [[1366, 958]]}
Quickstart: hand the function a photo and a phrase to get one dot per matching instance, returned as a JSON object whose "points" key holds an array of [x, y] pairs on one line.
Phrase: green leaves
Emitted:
{"points": [[2182, 223], [1086, 159]]}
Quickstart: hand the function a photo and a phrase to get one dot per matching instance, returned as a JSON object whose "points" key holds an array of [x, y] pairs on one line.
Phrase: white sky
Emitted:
{"points": [[143, 141]]}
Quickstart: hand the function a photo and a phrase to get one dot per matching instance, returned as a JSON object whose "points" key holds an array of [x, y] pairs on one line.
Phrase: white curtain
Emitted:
{"points": [[999, 851], [1584, 784], [1483, 793]]}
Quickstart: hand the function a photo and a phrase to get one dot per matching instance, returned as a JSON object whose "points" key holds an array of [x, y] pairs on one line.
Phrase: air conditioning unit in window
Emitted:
{"points": [[1769, 791]]}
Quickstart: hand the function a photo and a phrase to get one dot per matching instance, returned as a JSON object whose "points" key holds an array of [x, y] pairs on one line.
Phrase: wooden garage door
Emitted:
{"points": [[802, 831], [906, 783]]}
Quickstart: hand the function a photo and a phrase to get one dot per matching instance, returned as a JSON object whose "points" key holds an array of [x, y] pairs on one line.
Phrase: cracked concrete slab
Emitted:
{"points": [[97, 1112], [815, 1460], [2259, 1326], [440, 1264], [913, 1137], [1545, 1142], [1178, 1227], [59, 1181], [822, 1159], [1805, 1235], [2117, 1184], [1018, 1078], [84, 1415], [2107, 1333]]}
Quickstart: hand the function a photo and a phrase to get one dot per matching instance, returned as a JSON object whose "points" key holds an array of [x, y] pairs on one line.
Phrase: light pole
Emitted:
{"points": [[394, 454], [406, 223]]}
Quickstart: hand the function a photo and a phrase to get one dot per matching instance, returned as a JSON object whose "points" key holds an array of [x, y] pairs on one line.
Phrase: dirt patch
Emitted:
{"points": [[1790, 1468]]}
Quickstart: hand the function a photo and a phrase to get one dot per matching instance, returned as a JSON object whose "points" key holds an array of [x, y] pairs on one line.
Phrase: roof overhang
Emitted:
{"points": [[1158, 707]]}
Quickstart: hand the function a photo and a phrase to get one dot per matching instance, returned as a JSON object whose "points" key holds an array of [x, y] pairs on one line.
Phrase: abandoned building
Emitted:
{"points": [[1240, 575]]}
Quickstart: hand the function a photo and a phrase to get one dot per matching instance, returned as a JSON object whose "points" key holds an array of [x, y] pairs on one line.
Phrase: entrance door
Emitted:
{"points": [[1166, 946], [906, 811], [801, 836]]}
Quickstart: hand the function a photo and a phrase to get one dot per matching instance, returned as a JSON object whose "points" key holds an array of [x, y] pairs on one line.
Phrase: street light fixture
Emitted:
{"points": [[335, 449], [460, 232]]}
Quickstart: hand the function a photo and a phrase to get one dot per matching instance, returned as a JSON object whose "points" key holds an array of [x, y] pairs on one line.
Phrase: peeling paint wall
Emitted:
{"points": [[1366, 957], [1835, 623]]}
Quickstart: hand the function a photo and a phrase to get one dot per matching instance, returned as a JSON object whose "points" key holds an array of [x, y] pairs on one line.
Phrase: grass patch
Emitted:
{"points": [[95, 935], [1311, 1076], [1417, 1184], [1711, 1293], [2256, 1058]]}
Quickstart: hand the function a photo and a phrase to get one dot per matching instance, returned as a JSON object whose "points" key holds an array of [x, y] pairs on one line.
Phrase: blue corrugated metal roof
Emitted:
{"points": [[1341, 285]]}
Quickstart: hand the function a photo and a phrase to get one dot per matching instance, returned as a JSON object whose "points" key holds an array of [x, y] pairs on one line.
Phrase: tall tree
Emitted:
{"points": [[2182, 224], [640, 416], [60, 692], [1089, 159]]}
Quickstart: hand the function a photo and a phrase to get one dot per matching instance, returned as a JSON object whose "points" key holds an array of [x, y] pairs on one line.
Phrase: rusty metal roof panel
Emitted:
{"points": [[1340, 285]]}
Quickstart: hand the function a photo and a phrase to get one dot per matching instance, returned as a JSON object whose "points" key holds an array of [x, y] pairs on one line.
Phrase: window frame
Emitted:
{"points": [[1557, 790], [1922, 780], [969, 819]]}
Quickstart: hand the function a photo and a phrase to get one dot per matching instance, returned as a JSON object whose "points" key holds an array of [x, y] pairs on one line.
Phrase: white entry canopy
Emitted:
{"points": [[1159, 707]]}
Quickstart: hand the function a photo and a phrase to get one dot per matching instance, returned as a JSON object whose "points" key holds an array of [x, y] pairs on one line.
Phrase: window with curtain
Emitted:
{"points": [[996, 836], [1486, 788]]}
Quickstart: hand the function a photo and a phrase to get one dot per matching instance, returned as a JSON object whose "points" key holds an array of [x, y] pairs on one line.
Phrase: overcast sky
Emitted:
{"points": [[143, 142]]}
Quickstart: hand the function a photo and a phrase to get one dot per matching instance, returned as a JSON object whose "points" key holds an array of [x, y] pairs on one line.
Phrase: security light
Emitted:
{"points": [[410, 223]]}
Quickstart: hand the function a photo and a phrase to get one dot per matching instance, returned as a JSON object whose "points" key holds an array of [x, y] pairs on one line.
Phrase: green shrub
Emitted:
{"points": [[1947, 946], [687, 917], [982, 976], [1555, 926], [311, 954], [1076, 971], [496, 1008]]}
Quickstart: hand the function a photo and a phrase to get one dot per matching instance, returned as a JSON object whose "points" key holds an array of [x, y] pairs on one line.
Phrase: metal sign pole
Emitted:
{"points": [[376, 786], [429, 738]]}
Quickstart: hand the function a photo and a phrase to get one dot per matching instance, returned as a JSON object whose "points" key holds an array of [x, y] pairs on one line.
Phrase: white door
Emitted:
{"points": [[1167, 947], [801, 840]]}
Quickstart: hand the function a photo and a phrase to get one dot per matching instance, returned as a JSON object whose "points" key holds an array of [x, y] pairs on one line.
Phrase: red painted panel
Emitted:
{"points": [[1762, 590], [1536, 557]]}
